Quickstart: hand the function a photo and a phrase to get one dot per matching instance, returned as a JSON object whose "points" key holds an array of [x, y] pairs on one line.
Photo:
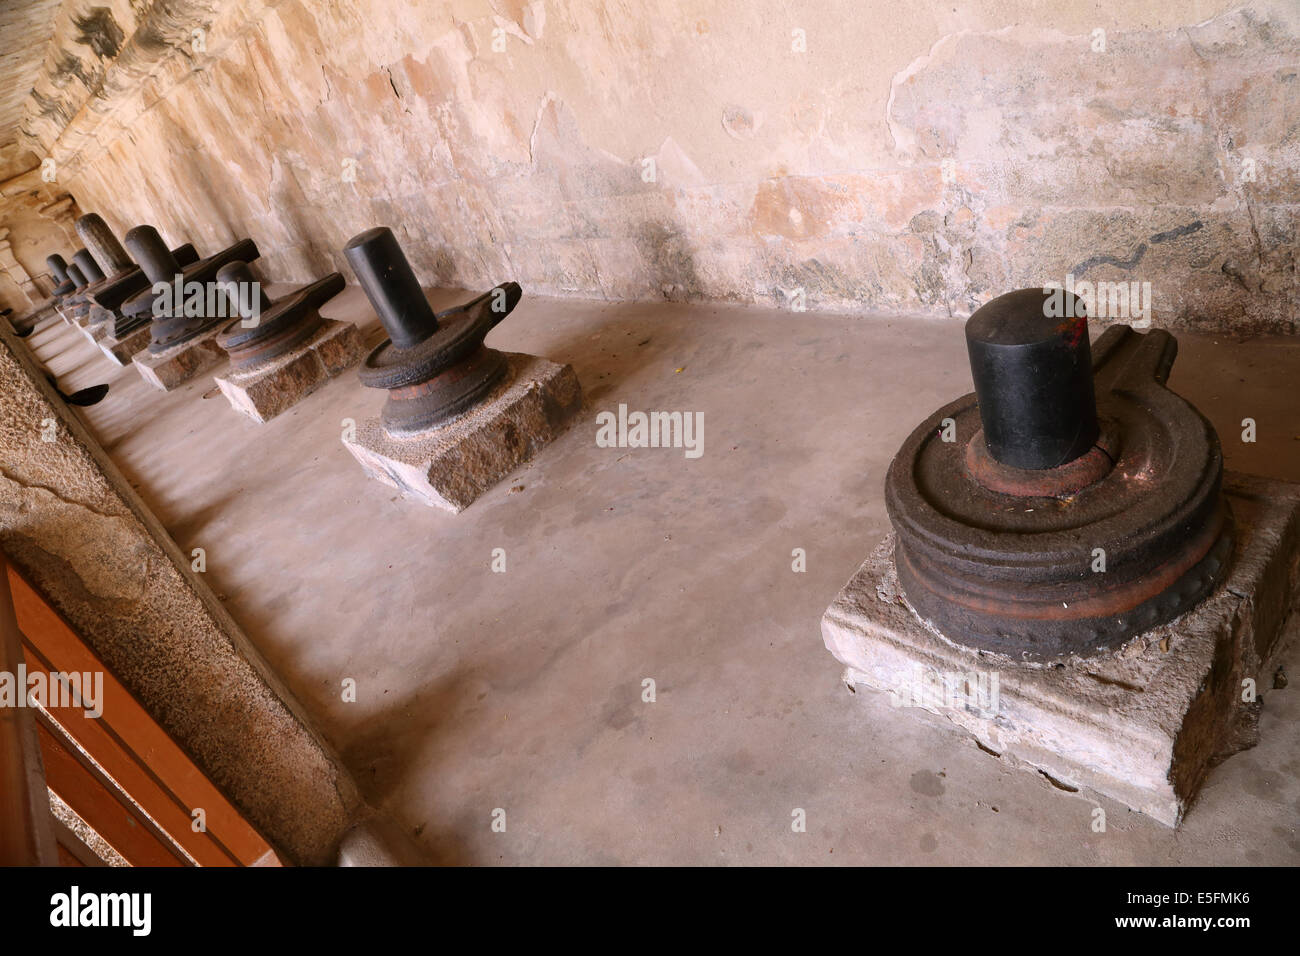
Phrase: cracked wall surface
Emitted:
{"points": [[835, 154], [71, 523]]}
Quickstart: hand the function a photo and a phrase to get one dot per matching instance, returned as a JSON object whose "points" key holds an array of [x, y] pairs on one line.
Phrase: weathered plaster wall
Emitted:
{"points": [[922, 156], [74, 526]]}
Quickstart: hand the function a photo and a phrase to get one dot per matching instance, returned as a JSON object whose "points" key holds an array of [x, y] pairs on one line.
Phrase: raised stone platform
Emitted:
{"points": [[95, 332], [450, 466], [1143, 724], [121, 350], [78, 315], [266, 390], [176, 366]]}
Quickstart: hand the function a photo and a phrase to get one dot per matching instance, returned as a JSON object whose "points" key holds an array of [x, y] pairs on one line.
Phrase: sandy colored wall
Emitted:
{"points": [[913, 157]]}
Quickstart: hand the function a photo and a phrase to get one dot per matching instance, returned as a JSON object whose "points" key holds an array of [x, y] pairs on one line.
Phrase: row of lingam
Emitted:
{"points": [[1069, 577], [459, 416]]}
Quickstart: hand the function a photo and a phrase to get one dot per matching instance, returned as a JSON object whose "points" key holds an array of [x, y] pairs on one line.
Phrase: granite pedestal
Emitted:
{"points": [[450, 466], [1143, 724], [124, 349], [177, 365], [263, 391]]}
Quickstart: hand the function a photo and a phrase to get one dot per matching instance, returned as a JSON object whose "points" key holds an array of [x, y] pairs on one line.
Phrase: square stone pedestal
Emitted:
{"points": [[450, 466], [176, 366], [95, 333], [1143, 724], [266, 390], [121, 350]]}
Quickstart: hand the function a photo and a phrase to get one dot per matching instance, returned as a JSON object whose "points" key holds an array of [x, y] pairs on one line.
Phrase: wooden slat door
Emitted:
{"points": [[121, 772]]}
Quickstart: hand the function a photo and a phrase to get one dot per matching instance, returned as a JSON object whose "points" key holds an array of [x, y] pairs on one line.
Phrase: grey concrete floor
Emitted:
{"points": [[523, 691]]}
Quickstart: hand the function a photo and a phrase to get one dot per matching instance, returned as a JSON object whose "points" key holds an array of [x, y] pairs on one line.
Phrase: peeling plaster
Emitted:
{"points": [[527, 163]]}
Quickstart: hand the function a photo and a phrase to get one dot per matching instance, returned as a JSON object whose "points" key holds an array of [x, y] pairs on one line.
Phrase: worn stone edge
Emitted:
{"points": [[1280, 556], [420, 454], [346, 789], [246, 379]]}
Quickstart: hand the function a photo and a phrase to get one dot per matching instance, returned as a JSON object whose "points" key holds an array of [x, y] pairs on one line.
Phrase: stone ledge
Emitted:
{"points": [[78, 530], [95, 332], [76, 312], [266, 390], [122, 350], [451, 466], [1143, 724], [176, 366]]}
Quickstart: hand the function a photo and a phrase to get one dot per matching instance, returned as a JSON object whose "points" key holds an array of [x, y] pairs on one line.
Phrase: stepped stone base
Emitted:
{"points": [[96, 324], [76, 312], [450, 466], [266, 390], [1143, 724], [121, 350], [170, 369]]}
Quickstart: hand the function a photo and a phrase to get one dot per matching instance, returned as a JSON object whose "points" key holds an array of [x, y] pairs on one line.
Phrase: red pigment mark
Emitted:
{"points": [[1073, 331]]}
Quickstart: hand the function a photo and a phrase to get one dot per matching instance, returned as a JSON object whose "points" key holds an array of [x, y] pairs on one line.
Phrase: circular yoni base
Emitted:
{"points": [[1059, 482], [1039, 564], [416, 409]]}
